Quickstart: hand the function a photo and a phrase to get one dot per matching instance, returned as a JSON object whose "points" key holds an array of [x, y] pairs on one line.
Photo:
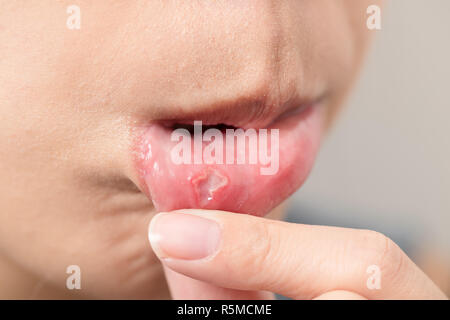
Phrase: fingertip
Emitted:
{"points": [[178, 235]]}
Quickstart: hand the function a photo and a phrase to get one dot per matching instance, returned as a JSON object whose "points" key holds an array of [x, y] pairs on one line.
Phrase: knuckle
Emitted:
{"points": [[259, 254], [384, 253], [262, 246]]}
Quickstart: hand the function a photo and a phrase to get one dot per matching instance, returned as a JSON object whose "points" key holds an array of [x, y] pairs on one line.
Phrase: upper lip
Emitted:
{"points": [[245, 112]]}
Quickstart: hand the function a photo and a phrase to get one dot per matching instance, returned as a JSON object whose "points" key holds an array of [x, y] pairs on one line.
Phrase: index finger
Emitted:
{"points": [[298, 261]]}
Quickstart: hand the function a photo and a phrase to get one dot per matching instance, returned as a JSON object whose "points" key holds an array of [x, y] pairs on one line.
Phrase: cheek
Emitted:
{"points": [[339, 39], [104, 233]]}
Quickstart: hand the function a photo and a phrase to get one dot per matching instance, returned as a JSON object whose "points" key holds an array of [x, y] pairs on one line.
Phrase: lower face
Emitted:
{"points": [[78, 107]]}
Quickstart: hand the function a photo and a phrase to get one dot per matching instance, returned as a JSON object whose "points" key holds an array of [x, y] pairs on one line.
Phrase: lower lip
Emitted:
{"points": [[239, 188]]}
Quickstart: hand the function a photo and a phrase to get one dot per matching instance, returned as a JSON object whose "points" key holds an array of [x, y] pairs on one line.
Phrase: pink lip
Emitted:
{"points": [[233, 187]]}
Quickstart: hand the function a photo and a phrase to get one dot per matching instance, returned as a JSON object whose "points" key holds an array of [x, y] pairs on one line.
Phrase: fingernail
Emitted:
{"points": [[183, 236]]}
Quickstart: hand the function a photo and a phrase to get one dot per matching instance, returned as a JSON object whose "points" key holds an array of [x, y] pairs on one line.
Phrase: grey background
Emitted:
{"points": [[386, 164]]}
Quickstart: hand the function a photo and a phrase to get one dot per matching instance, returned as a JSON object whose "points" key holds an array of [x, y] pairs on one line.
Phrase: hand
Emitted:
{"points": [[239, 256]]}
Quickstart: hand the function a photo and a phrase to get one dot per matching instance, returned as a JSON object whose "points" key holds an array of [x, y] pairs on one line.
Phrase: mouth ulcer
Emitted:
{"points": [[224, 182], [208, 185]]}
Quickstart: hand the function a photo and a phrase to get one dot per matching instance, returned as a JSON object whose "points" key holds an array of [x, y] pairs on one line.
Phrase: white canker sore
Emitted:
{"points": [[207, 184]]}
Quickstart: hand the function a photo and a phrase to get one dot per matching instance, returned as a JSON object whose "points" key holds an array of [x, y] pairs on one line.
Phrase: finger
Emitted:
{"points": [[340, 295], [299, 261], [185, 288]]}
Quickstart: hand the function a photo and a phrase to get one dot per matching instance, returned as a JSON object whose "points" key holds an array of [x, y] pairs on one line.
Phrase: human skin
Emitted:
{"points": [[71, 102]]}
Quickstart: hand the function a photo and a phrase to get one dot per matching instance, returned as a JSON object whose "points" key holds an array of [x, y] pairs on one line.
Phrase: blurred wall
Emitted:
{"points": [[386, 163]]}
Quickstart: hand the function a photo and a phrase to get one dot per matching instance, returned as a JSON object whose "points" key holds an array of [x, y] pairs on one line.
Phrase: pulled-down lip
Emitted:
{"points": [[240, 188]]}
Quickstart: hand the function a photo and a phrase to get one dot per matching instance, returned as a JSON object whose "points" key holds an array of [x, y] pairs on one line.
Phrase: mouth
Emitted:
{"points": [[211, 161]]}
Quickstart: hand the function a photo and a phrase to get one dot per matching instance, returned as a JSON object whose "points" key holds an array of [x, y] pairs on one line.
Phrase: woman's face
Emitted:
{"points": [[71, 102]]}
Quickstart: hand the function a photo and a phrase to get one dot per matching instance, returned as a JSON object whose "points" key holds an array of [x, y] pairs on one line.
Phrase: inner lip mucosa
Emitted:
{"points": [[235, 186]]}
